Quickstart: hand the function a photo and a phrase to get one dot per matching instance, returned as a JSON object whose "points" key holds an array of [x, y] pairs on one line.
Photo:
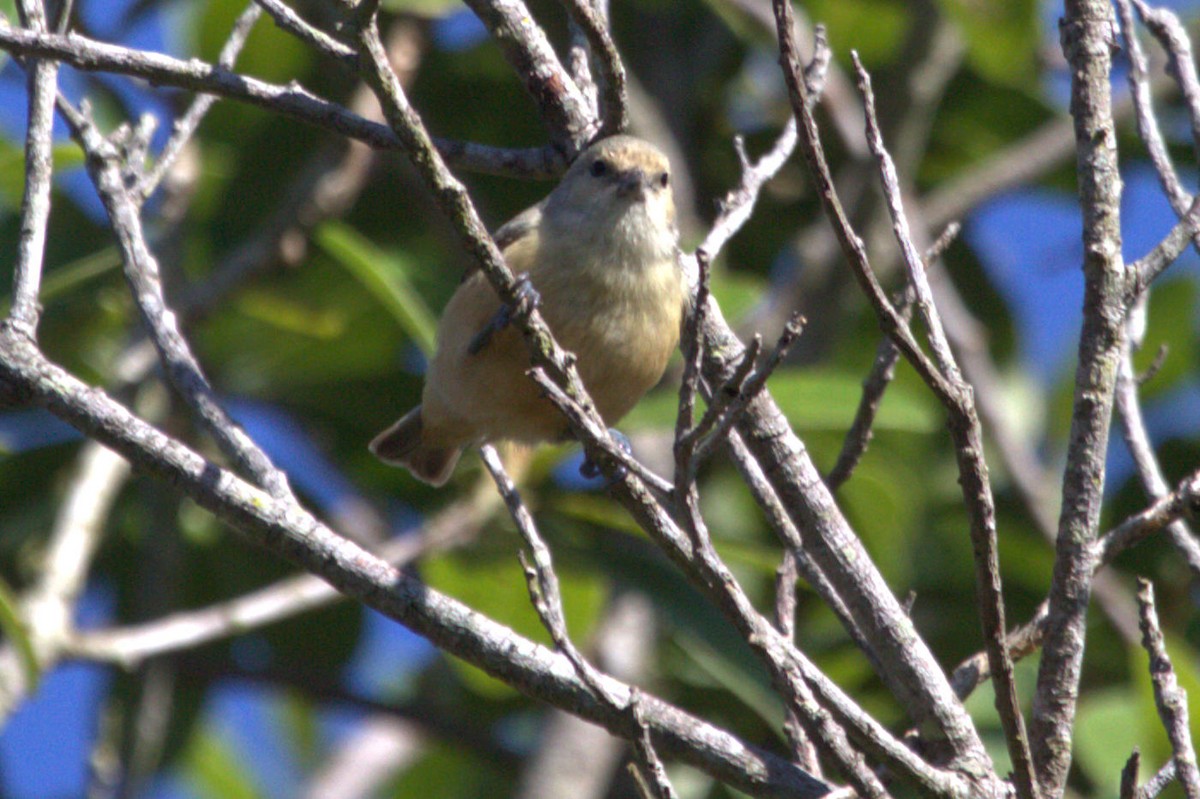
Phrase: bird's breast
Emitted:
{"points": [[622, 325]]}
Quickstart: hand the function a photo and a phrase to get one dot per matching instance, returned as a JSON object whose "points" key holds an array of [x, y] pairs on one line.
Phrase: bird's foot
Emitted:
{"points": [[589, 470], [527, 300]]}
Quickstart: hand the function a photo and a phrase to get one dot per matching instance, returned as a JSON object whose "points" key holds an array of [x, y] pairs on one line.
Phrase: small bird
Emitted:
{"points": [[600, 254]]}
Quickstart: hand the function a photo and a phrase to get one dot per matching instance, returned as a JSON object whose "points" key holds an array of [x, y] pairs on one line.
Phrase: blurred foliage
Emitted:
{"points": [[331, 341]]}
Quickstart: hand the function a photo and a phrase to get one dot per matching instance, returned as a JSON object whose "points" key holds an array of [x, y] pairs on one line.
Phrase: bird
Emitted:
{"points": [[599, 258]]}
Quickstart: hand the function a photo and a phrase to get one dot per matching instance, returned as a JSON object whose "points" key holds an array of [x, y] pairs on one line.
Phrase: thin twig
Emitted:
{"points": [[692, 344], [883, 370], [547, 601], [563, 107], [185, 126], [967, 434], [1129, 776], [287, 19], [1168, 695], [142, 273], [652, 776], [1159, 782], [725, 416], [614, 105], [1086, 34], [1144, 270], [1183, 502], [900, 228], [1169, 31], [289, 531], [292, 100], [738, 204], [41, 84], [1137, 439], [803, 750]]}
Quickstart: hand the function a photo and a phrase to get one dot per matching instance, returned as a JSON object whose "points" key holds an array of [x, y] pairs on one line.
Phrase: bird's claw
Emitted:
{"points": [[589, 470], [527, 300]]}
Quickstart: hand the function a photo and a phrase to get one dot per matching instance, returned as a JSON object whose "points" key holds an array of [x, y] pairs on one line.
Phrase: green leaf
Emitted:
{"points": [[815, 399], [12, 167], [422, 8], [874, 28], [1110, 724], [217, 771], [292, 317], [737, 292], [1002, 36], [62, 280], [1170, 320], [384, 276], [494, 584], [15, 631], [446, 772], [300, 721], [730, 674]]}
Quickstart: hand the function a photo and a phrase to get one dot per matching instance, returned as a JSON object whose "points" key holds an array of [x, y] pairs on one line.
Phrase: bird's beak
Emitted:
{"points": [[632, 181]]}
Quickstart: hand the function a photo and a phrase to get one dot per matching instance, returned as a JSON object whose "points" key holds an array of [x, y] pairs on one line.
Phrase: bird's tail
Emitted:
{"points": [[401, 445]]}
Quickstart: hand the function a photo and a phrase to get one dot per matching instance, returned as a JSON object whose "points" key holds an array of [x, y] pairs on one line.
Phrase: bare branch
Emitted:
{"points": [[883, 369], [49, 606], [132, 645], [1086, 32], [912, 258], [41, 81], [185, 127], [1159, 782], [1182, 502], [292, 100], [142, 273], [1143, 271], [287, 19], [692, 344], [651, 776], [1169, 31], [1138, 440], [1168, 695], [614, 106], [563, 107], [738, 204], [723, 415], [287, 530], [1129, 775], [967, 433]]}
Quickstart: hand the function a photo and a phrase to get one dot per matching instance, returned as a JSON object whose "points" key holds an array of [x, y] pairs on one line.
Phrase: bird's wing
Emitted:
{"points": [[518, 227], [513, 231]]}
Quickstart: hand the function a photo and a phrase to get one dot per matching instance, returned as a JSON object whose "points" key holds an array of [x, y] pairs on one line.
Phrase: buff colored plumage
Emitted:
{"points": [[601, 252]]}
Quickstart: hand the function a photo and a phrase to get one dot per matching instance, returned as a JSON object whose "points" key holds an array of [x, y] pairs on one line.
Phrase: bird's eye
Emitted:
{"points": [[598, 168], [664, 180]]}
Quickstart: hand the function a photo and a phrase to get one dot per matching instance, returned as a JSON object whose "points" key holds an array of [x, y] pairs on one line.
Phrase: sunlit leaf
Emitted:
{"points": [[1170, 319], [447, 772], [16, 633], [496, 587], [384, 277], [733, 677], [12, 167], [62, 280], [422, 8], [291, 317], [216, 770], [302, 723], [1002, 36], [1109, 724], [814, 399]]}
